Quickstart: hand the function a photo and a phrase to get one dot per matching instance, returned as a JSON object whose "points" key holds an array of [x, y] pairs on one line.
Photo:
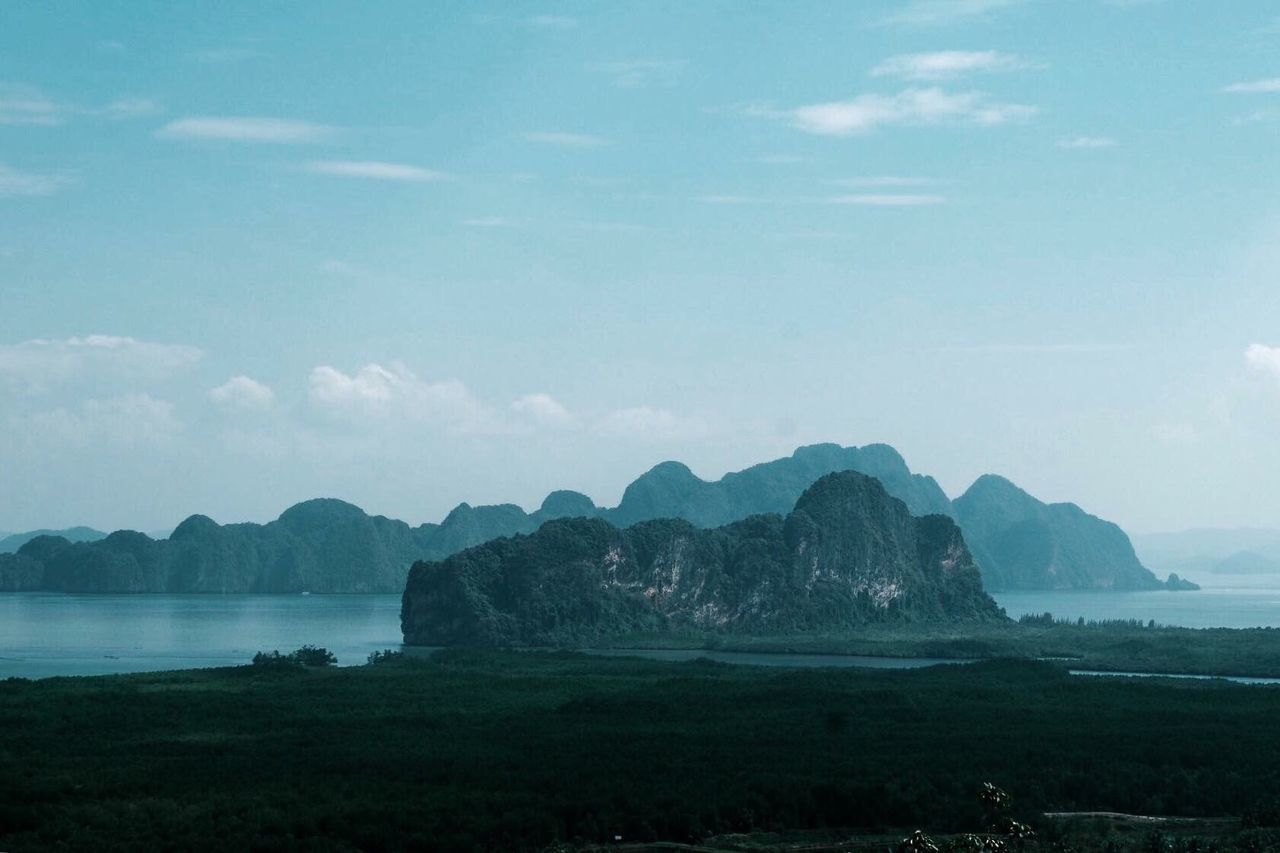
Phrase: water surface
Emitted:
{"points": [[45, 634]]}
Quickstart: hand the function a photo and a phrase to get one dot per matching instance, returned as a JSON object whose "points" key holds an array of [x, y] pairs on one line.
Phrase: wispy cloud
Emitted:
{"points": [[932, 13], [562, 138], [246, 129], [640, 73], [17, 183], [946, 64], [888, 199], [880, 199], [1087, 142], [1270, 85], [243, 392], [127, 108], [26, 105], [885, 181], [726, 198], [777, 159], [543, 410], [374, 170], [41, 363], [1031, 349], [910, 107], [487, 222], [646, 423], [219, 55], [552, 22]]}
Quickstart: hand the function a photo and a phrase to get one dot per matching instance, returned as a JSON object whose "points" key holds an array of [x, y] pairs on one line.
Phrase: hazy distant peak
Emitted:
{"points": [[320, 511], [565, 503], [194, 527]]}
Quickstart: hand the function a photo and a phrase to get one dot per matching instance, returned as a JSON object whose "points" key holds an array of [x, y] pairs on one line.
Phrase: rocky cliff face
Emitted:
{"points": [[847, 554], [1025, 544]]}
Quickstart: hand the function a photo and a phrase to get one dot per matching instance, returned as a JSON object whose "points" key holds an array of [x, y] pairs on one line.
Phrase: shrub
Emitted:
{"points": [[385, 656], [305, 656], [314, 656]]}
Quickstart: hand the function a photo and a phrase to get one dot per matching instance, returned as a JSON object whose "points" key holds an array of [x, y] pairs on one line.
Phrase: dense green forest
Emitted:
{"points": [[1118, 645], [494, 750]]}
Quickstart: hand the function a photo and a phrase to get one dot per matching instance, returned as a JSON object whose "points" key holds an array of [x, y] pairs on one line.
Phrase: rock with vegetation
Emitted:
{"points": [[1025, 544], [849, 553], [330, 546]]}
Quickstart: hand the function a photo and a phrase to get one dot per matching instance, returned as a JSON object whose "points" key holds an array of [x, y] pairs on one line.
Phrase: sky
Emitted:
{"points": [[410, 254]]}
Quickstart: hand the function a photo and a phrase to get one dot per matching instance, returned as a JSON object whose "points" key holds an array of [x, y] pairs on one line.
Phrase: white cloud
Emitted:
{"points": [[639, 73], [1270, 85], [945, 64], [16, 183], [910, 107], [1264, 360], [127, 108], [543, 410], [39, 364], [926, 13], [134, 420], [645, 423], [373, 169], [375, 391], [558, 137], [242, 392], [27, 105], [245, 129], [888, 199], [1087, 142]]}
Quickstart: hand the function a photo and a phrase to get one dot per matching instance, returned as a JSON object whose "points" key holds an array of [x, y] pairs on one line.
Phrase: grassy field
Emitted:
{"points": [[523, 750]]}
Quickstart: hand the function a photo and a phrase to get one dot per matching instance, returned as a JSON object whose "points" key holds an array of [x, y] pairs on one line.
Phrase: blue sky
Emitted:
{"points": [[413, 253]]}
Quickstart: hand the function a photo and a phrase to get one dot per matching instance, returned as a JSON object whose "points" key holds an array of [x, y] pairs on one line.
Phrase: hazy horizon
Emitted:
{"points": [[477, 253]]}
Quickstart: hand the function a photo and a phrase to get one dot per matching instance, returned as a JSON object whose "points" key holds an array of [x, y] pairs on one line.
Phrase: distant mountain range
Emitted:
{"points": [[848, 554], [1240, 551], [13, 541], [327, 545]]}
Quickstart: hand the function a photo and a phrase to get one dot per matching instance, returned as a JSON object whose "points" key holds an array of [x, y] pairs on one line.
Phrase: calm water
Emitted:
{"points": [[1250, 601], [44, 634]]}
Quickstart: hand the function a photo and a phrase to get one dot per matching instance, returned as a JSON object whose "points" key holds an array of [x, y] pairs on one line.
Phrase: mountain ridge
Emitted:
{"points": [[329, 545], [848, 553]]}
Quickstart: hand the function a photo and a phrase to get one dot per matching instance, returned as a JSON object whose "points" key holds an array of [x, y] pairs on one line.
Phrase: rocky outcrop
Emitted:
{"points": [[847, 554], [1025, 544]]}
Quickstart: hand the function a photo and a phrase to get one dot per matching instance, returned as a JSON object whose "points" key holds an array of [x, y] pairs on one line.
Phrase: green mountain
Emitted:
{"points": [[13, 541], [320, 545], [331, 546], [1025, 544], [848, 553]]}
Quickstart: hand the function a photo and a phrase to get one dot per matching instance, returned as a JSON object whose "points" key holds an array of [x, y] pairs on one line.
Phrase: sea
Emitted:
{"points": [[68, 634]]}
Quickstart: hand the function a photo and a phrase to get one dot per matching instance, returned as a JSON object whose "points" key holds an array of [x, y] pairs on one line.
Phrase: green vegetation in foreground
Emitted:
{"points": [[1111, 646], [509, 750]]}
